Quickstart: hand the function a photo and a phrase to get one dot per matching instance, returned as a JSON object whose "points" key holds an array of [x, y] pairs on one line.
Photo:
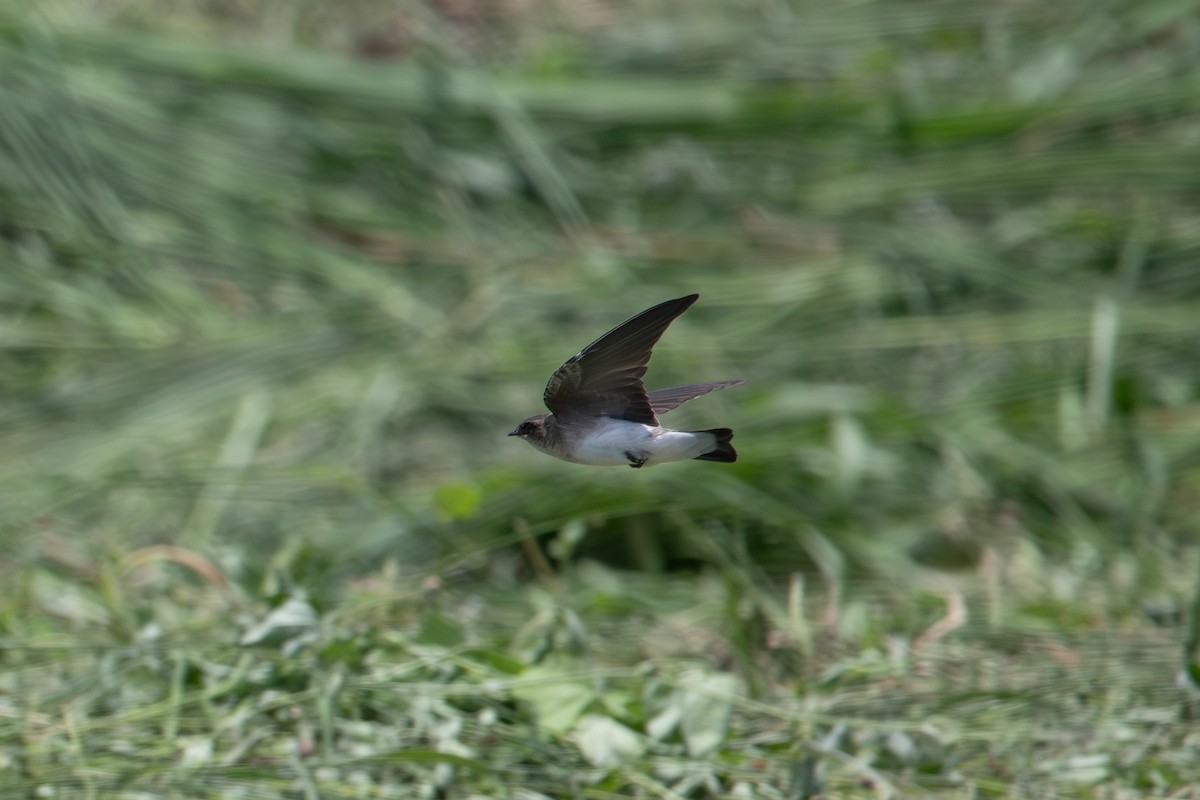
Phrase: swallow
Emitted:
{"points": [[601, 414]]}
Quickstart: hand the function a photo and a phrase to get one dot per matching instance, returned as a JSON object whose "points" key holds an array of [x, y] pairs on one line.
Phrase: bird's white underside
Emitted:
{"points": [[608, 444]]}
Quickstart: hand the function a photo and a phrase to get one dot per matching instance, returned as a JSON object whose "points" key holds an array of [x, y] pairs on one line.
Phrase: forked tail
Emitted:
{"points": [[723, 451]]}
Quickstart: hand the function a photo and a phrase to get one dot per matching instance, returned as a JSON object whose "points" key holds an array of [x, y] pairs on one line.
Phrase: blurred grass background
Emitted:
{"points": [[279, 276]]}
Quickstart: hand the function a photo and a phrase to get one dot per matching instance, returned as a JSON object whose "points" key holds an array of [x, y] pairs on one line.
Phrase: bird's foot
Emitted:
{"points": [[634, 461]]}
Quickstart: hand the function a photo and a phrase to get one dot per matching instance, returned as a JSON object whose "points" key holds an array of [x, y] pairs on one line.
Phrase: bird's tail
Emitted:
{"points": [[723, 451]]}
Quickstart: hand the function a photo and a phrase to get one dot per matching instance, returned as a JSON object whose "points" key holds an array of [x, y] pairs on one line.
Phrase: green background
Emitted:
{"points": [[276, 279]]}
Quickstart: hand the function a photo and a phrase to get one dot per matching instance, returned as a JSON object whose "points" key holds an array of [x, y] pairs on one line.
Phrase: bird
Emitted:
{"points": [[601, 414]]}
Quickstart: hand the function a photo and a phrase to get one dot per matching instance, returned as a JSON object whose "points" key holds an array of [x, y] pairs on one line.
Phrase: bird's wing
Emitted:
{"points": [[663, 400], [605, 378]]}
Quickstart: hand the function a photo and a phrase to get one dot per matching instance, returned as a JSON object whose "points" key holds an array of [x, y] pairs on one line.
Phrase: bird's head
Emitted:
{"points": [[532, 430]]}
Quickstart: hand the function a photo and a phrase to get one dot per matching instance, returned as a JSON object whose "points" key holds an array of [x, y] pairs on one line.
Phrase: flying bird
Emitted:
{"points": [[601, 414]]}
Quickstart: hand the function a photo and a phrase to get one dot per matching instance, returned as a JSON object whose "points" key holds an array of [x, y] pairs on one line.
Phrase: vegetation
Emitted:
{"points": [[279, 276]]}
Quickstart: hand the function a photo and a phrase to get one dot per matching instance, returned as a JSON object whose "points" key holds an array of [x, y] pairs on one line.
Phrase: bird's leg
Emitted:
{"points": [[634, 461]]}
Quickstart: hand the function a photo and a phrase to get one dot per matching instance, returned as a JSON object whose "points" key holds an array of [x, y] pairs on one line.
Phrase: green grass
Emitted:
{"points": [[276, 279]]}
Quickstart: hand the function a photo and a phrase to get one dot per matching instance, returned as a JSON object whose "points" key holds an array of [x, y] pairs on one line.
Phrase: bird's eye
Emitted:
{"points": [[526, 427]]}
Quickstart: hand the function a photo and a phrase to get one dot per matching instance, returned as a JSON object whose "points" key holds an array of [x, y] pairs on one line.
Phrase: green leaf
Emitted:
{"points": [[294, 617], [556, 702], [604, 742], [455, 501], [440, 630], [705, 702]]}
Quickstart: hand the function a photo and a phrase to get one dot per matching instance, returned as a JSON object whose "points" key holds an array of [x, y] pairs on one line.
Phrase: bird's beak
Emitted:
{"points": [[513, 433]]}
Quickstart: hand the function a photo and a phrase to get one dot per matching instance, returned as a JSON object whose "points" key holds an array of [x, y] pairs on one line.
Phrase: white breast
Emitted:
{"points": [[608, 444]]}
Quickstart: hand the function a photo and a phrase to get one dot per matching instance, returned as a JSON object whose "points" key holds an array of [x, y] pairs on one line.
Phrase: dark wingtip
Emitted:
{"points": [[678, 305], [724, 451]]}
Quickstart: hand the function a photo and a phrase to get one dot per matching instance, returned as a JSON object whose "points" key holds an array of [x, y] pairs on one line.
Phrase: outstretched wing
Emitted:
{"points": [[605, 378], [663, 400]]}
